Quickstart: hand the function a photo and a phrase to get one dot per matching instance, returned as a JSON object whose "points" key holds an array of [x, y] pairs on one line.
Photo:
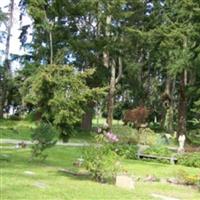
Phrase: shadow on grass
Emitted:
{"points": [[75, 175]]}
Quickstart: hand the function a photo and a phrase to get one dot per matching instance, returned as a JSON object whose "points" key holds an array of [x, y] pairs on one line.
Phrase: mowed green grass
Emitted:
{"points": [[22, 130], [16, 185], [15, 129]]}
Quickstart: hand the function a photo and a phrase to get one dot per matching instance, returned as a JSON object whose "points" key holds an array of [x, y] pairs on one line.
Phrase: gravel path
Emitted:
{"points": [[28, 142]]}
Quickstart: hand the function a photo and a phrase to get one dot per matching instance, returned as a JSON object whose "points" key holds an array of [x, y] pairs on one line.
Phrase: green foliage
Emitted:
{"points": [[155, 126], [194, 136], [127, 134], [117, 113], [187, 178], [101, 161], [129, 139], [59, 95], [126, 150], [189, 159], [43, 137], [121, 130], [147, 136], [159, 151]]}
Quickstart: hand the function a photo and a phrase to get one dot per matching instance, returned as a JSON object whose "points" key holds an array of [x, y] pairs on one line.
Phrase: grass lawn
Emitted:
{"points": [[14, 129], [48, 183], [22, 130]]}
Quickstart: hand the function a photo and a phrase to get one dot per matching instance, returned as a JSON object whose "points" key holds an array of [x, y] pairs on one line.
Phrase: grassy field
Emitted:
{"points": [[48, 183], [13, 129], [23, 129]]}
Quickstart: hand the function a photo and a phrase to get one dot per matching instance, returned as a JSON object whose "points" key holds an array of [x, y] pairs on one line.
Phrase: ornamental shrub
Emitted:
{"points": [[189, 159], [126, 150], [148, 137], [43, 137], [101, 161], [159, 151], [187, 178]]}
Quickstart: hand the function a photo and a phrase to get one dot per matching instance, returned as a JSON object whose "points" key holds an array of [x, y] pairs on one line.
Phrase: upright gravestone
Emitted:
{"points": [[125, 181]]}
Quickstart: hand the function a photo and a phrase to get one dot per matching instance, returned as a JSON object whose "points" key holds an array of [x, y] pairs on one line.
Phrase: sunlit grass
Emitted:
{"points": [[22, 129], [16, 185]]}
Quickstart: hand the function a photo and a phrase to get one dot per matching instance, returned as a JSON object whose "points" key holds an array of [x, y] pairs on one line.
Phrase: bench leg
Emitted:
{"points": [[172, 162]]}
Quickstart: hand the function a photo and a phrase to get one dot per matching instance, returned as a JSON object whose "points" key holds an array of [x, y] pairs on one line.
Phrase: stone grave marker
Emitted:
{"points": [[125, 181]]}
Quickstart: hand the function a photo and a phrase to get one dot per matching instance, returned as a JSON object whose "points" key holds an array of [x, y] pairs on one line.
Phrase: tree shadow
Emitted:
{"points": [[75, 175]]}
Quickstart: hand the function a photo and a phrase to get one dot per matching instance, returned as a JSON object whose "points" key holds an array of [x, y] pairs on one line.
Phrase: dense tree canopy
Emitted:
{"points": [[146, 53]]}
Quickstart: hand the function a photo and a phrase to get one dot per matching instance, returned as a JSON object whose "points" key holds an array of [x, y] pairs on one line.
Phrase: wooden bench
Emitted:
{"points": [[172, 159]]}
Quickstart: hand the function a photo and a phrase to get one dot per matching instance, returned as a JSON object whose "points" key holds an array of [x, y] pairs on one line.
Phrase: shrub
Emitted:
{"points": [[147, 136], [155, 126], [158, 150], [126, 150], [187, 178], [189, 159], [194, 137], [43, 137], [123, 130], [131, 139], [101, 160]]}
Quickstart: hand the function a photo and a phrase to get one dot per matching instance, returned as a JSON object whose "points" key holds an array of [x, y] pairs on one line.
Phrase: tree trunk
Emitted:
{"points": [[51, 47], [1, 101], [168, 124], [9, 27], [86, 123], [2, 91], [111, 93], [6, 72], [182, 107], [106, 57]]}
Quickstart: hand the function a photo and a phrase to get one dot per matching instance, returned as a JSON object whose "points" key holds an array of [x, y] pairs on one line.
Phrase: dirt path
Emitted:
{"points": [[28, 142]]}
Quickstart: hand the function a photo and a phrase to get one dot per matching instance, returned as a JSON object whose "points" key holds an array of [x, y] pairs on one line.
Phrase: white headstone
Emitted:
{"points": [[125, 181], [29, 172]]}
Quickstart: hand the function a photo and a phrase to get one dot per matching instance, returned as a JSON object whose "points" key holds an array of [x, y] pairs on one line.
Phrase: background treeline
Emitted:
{"points": [[119, 54]]}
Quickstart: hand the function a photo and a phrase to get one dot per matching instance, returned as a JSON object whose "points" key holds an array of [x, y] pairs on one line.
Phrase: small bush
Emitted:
{"points": [[187, 178], [126, 150], [123, 130], [158, 150], [43, 137], [155, 126], [131, 139], [189, 159], [147, 137], [101, 161], [194, 137]]}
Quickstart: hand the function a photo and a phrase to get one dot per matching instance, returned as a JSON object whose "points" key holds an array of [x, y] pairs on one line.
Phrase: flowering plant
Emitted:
{"points": [[111, 137], [100, 159]]}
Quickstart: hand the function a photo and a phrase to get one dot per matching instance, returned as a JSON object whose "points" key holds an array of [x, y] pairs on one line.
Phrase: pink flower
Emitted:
{"points": [[112, 137]]}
